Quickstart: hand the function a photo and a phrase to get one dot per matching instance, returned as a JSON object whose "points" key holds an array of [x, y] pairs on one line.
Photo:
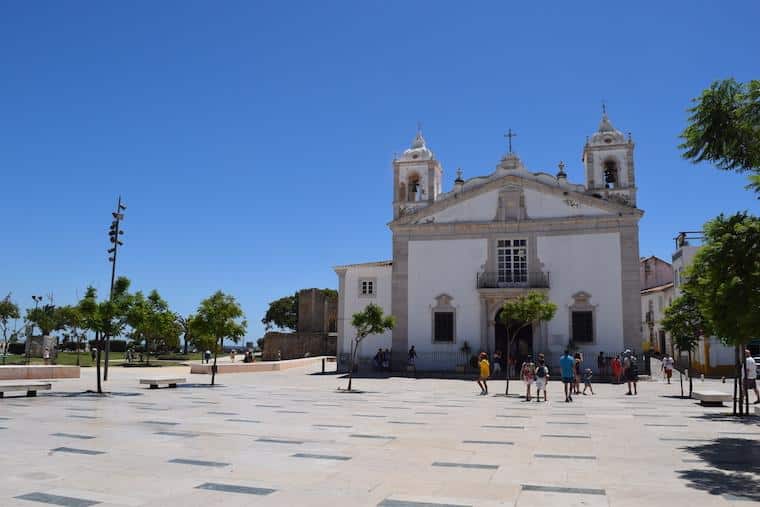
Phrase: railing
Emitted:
{"points": [[533, 279]]}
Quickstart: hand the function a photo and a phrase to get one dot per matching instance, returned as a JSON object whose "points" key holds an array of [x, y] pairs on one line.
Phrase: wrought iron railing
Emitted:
{"points": [[531, 279]]}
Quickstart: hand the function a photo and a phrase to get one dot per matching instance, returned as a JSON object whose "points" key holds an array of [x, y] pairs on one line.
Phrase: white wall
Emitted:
{"points": [[544, 205], [589, 263], [481, 208], [444, 267], [352, 303]]}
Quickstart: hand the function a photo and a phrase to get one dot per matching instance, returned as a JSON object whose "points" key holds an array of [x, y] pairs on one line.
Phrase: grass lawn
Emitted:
{"points": [[85, 360]]}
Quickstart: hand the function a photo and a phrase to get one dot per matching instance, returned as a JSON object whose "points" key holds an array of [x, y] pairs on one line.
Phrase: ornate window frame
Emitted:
{"points": [[582, 303], [443, 305]]}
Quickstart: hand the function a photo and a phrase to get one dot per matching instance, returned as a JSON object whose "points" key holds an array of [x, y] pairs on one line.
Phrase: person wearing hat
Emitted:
{"points": [[528, 374], [631, 372], [485, 372]]}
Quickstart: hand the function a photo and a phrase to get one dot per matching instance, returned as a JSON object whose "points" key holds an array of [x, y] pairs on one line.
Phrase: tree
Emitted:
{"points": [[282, 313], [369, 321], [723, 128], [184, 323], [48, 318], [107, 317], [686, 325], [218, 318], [521, 312], [152, 321], [71, 318], [724, 279], [8, 310]]}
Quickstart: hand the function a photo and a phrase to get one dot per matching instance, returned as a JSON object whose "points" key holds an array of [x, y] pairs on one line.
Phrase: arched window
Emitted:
{"points": [[413, 186], [611, 174]]}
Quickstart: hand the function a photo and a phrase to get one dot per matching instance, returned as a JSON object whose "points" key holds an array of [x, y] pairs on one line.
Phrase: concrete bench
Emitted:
{"points": [[709, 398], [154, 382], [31, 389]]}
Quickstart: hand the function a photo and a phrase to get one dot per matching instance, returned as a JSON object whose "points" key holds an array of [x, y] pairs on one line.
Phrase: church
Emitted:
{"points": [[459, 254]]}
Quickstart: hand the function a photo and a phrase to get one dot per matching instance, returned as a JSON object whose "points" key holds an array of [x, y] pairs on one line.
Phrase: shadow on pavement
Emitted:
{"points": [[727, 417], [736, 461]]}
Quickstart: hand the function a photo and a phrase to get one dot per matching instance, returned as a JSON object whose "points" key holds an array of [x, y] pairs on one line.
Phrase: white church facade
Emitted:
{"points": [[459, 255]]}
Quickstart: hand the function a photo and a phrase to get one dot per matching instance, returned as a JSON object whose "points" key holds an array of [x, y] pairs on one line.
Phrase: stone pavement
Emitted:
{"points": [[289, 438]]}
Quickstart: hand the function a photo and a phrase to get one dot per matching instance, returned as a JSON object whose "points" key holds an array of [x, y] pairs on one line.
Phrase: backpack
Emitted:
{"points": [[541, 372], [634, 367]]}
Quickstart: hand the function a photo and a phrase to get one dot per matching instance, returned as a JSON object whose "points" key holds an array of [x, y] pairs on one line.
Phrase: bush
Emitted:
{"points": [[116, 345], [71, 346], [17, 348]]}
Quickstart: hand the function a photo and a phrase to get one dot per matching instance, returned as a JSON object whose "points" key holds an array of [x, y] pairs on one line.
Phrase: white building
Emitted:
{"points": [[459, 255], [657, 294]]}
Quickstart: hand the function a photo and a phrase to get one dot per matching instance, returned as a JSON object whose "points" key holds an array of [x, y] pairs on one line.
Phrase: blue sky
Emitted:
{"points": [[253, 142]]}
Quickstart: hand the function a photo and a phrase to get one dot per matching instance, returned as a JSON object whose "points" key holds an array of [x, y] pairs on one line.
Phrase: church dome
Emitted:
{"points": [[606, 134], [418, 150]]}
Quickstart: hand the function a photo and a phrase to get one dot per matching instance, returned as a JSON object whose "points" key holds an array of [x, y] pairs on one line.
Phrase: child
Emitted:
{"points": [[528, 372], [587, 380], [542, 378], [485, 372]]}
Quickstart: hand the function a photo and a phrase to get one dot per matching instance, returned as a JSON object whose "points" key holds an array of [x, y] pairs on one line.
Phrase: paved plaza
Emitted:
{"points": [[289, 438]]}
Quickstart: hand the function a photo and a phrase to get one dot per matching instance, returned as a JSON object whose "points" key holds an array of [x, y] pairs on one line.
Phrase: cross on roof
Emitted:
{"points": [[509, 135]]}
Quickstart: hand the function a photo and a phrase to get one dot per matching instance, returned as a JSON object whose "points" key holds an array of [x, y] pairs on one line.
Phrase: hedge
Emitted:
{"points": [[116, 345], [17, 348]]}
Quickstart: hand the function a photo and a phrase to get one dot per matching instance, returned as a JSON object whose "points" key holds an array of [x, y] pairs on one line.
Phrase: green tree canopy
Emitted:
{"points": [[47, 317], [8, 311], [724, 128], [686, 325], [525, 310], [218, 318], [369, 321], [282, 313], [152, 321]]}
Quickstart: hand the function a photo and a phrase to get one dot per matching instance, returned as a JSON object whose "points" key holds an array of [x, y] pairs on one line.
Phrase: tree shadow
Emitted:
{"points": [[732, 485], [736, 460], [727, 417]]}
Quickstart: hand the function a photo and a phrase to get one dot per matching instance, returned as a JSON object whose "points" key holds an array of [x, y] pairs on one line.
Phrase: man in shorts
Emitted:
{"points": [[750, 382], [542, 378], [567, 364], [485, 372]]}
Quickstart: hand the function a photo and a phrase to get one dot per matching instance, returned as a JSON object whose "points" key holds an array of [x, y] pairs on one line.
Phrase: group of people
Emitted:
{"points": [[572, 372], [382, 360]]}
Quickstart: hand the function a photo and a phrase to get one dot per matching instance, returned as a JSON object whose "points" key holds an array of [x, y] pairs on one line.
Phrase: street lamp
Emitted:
{"points": [[114, 232]]}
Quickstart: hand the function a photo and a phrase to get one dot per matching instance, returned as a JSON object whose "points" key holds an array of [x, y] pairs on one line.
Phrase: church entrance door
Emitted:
{"points": [[522, 342]]}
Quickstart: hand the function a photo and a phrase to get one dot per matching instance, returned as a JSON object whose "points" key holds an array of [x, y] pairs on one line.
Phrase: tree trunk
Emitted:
{"points": [[691, 374], [509, 362], [213, 367], [147, 351], [97, 361], [351, 364], [745, 388], [736, 381]]}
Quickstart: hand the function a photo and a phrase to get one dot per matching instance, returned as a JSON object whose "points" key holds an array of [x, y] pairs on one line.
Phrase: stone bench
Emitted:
{"points": [[154, 382], [31, 389], [710, 398]]}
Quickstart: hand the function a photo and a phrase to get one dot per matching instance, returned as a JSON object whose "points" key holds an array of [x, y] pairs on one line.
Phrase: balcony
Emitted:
{"points": [[530, 280]]}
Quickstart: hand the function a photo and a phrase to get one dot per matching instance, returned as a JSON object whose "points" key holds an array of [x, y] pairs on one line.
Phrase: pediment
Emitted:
{"points": [[513, 198]]}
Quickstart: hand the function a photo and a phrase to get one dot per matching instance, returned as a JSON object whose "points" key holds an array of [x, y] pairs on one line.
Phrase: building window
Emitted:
{"points": [[444, 320], [367, 287], [610, 174], [512, 261], [444, 327], [582, 319], [583, 327]]}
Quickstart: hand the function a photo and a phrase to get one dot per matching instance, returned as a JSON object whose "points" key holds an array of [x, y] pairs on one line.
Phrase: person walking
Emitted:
{"points": [[412, 359], [631, 372], [542, 378], [577, 374], [387, 359], [527, 373], [617, 369], [566, 365], [587, 373], [496, 363], [667, 367], [46, 355], [485, 372], [750, 382]]}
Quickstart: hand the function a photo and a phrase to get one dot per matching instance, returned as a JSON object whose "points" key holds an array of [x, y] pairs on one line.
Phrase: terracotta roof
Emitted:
{"points": [[657, 288], [365, 265]]}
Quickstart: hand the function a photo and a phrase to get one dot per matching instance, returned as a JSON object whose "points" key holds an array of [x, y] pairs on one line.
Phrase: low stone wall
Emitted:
{"points": [[298, 345], [36, 372], [205, 369]]}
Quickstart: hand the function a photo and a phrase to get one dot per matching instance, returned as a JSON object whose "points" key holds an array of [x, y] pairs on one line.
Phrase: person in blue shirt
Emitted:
{"points": [[566, 364]]}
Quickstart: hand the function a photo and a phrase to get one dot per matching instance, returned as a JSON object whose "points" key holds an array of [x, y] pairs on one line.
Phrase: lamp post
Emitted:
{"points": [[113, 236]]}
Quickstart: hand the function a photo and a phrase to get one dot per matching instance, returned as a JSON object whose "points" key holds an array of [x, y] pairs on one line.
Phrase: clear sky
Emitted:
{"points": [[252, 141]]}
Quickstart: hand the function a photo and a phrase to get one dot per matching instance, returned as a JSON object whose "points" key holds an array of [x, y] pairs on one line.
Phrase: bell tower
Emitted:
{"points": [[416, 178], [608, 159]]}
